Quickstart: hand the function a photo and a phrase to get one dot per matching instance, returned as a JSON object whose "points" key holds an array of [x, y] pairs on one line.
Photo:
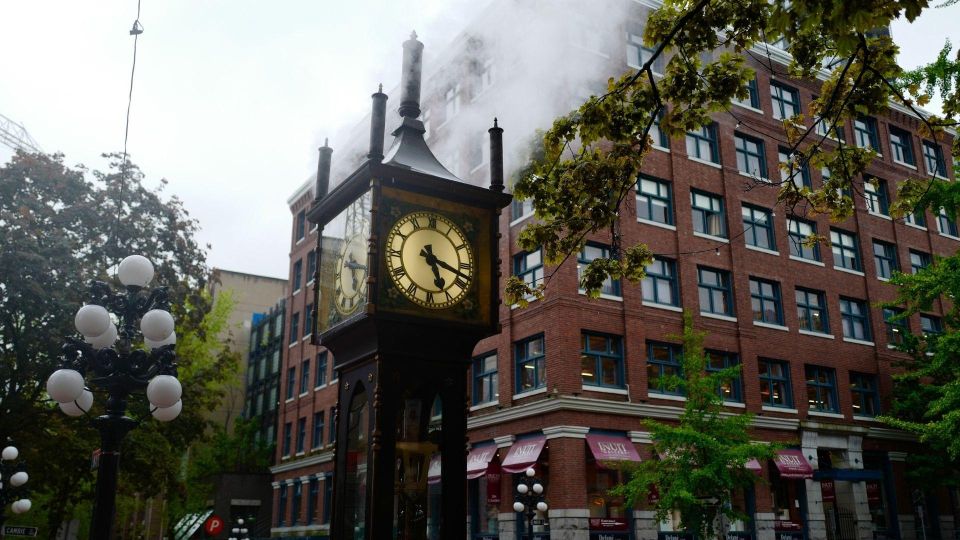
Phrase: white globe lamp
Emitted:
{"points": [[104, 340], [518, 507], [156, 324], [18, 479], [80, 406], [10, 453], [164, 390], [166, 414], [542, 506], [92, 320], [522, 488], [65, 385], [135, 271], [530, 471], [170, 340]]}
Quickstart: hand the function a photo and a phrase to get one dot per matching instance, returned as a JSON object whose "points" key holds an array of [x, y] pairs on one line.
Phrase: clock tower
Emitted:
{"points": [[407, 285]]}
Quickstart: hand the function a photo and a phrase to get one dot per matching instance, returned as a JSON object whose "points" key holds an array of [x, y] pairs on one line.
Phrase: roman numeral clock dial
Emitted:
{"points": [[430, 260]]}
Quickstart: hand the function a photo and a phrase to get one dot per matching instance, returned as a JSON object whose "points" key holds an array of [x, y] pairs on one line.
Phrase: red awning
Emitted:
{"points": [[433, 473], [479, 459], [606, 447], [754, 466], [793, 465], [523, 454]]}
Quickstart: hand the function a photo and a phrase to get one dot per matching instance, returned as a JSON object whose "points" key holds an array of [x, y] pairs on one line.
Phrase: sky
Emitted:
{"points": [[232, 98]]}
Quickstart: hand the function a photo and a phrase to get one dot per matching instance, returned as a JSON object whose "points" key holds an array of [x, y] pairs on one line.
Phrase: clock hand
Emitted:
{"points": [[427, 253], [452, 269]]}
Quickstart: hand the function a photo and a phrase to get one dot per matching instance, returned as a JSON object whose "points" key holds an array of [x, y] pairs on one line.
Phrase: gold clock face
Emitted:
{"points": [[430, 260], [351, 275]]}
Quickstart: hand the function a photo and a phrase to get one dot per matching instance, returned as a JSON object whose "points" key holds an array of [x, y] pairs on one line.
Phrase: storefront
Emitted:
{"points": [[788, 492], [483, 486], [609, 514], [529, 452]]}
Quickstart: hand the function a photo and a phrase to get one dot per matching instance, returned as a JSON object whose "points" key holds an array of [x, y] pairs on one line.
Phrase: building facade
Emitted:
{"points": [[570, 378]]}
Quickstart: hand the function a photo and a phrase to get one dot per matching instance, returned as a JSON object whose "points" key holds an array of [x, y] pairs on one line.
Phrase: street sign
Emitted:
{"points": [[14, 530], [213, 526]]}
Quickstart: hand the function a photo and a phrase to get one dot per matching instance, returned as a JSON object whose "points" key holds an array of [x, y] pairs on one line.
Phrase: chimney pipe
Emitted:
{"points": [[410, 77], [378, 120], [323, 171], [496, 157]]}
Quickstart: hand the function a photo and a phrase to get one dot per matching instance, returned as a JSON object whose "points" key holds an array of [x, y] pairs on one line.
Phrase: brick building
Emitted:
{"points": [[568, 373]]}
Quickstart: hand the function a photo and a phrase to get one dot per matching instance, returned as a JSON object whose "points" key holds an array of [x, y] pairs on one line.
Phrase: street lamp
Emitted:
{"points": [[12, 479], [530, 498], [108, 356], [239, 532]]}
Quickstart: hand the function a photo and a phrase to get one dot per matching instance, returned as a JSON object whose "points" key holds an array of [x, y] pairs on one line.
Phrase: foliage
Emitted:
{"points": [[61, 227], [702, 458]]}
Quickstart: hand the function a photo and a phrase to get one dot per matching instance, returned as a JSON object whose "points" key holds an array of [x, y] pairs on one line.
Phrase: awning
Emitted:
{"points": [[608, 447], [793, 465], [523, 454], [754, 466], [479, 459], [433, 473]]}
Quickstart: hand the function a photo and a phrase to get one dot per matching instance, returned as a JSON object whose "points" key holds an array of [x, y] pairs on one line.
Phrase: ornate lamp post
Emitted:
{"points": [[12, 479], [239, 532], [110, 360], [530, 498]]}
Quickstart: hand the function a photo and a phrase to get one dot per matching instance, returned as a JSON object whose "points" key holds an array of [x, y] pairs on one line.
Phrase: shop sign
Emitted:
{"points": [[609, 535], [827, 490], [873, 491], [674, 536], [608, 524], [738, 535], [788, 535], [487, 537], [493, 487]]}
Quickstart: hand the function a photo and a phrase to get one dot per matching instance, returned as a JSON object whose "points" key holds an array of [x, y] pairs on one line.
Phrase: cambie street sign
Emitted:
{"points": [[14, 530]]}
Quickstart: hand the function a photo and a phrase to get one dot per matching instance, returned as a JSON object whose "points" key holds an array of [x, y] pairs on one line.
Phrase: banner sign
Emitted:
{"points": [[827, 490], [608, 524]]}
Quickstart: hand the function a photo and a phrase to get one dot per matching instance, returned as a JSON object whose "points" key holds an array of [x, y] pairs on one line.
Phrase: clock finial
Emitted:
{"points": [[410, 77], [378, 121], [496, 157], [323, 171]]}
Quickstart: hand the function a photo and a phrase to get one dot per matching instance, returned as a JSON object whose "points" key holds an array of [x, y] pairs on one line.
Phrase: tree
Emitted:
{"points": [[61, 227], [702, 458]]}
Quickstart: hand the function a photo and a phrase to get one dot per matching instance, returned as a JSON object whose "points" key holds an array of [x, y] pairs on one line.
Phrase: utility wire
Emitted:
{"points": [[135, 31]]}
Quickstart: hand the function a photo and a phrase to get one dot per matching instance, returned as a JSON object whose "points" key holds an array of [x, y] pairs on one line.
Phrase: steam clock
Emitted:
{"points": [[407, 285]]}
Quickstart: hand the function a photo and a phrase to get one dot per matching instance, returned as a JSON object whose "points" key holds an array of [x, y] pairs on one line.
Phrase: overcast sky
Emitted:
{"points": [[232, 98]]}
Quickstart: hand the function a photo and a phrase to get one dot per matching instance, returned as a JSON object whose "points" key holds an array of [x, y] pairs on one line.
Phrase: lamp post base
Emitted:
{"points": [[113, 428]]}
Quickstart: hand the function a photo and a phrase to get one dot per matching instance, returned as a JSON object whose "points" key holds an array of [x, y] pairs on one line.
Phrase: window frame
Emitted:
{"points": [[807, 310], [305, 376], [826, 398], [848, 318], [294, 327], [865, 127], [789, 173], [724, 286], [291, 381], [487, 379], [779, 94], [797, 238], [901, 146], [675, 360], [876, 196], [319, 425], [707, 135], [753, 97], [776, 298], [635, 43], [751, 233], [645, 199], [783, 381], [944, 222], [741, 144], [700, 215], [320, 378], [610, 287], [669, 266], [861, 394], [522, 268], [887, 262], [297, 275], [730, 359], [933, 160], [838, 239], [301, 231], [896, 331], [522, 357], [613, 350], [924, 258]]}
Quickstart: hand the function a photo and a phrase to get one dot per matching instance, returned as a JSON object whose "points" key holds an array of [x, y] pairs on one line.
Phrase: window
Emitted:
{"points": [[821, 125], [297, 497], [775, 383], [654, 201], [885, 257], [312, 497], [800, 232], [531, 364], [786, 101], [702, 144], [308, 320], [708, 215], [452, 102], [311, 265], [520, 208], [917, 218], [305, 376], [485, 389], [729, 390], [639, 54], [791, 170], [947, 225], [590, 252], [282, 505], [846, 254], [758, 227], [294, 327], [864, 394], [529, 267], [332, 437], [297, 274], [601, 360], [812, 311], [291, 381], [750, 156], [856, 319], [822, 389], [301, 433], [287, 434], [486, 76], [716, 293], [753, 96], [659, 286], [663, 360], [327, 498], [931, 325], [765, 301], [901, 146], [933, 159], [301, 224], [660, 139], [897, 328], [865, 133], [875, 193], [318, 425], [919, 260], [321, 369]]}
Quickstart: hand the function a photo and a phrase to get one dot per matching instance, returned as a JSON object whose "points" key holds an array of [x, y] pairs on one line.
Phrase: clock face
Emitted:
{"points": [[351, 274], [430, 260]]}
